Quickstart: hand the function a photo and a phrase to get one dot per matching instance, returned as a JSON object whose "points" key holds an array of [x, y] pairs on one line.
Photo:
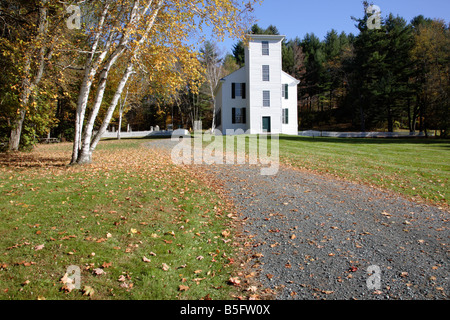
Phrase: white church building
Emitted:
{"points": [[260, 97]]}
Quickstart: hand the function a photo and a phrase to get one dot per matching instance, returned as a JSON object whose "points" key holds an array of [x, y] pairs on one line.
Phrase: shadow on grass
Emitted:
{"points": [[29, 160], [139, 138]]}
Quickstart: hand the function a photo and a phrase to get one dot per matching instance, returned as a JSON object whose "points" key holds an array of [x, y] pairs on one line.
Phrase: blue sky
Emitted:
{"points": [[297, 17]]}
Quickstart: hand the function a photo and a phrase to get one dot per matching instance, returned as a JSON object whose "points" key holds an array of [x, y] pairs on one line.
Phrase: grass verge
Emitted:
{"points": [[135, 225]]}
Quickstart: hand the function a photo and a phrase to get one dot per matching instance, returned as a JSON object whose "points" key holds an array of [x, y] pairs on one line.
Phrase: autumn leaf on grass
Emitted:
{"points": [[226, 233], [165, 267], [197, 280], [88, 291], [182, 287], [145, 259], [69, 284], [39, 247], [234, 281], [99, 271]]}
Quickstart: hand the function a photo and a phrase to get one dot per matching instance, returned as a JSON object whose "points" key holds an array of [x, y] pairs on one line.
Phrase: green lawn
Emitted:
{"points": [[414, 167], [137, 226]]}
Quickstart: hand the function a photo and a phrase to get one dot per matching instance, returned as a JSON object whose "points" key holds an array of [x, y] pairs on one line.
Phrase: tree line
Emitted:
{"points": [[130, 63], [396, 76]]}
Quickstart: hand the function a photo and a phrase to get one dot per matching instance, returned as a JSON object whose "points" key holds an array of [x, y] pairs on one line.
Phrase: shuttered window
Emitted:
{"points": [[238, 90], [285, 119], [238, 115], [285, 89]]}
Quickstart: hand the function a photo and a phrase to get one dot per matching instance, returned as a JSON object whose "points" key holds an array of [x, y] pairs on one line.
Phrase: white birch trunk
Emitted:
{"points": [[112, 107], [89, 143], [121, 109], [89, 73]]}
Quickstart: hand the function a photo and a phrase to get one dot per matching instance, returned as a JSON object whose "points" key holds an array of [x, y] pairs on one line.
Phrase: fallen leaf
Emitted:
{"points": [[226, 233], [69, 284], [182, 287], [234, 281], [353, 269], [384, 213], [165, 267], [146, 259], [39, 247], [274, 245], [88, 291], [99, 271], [197, 280], [378, 292]]}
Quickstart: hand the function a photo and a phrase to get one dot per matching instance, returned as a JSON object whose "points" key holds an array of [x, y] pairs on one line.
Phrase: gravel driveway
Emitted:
{"points": [[313, 237]]}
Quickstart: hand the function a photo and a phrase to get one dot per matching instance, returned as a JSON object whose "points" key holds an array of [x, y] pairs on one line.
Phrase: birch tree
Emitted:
{"points": [[212, 63], [146, 36]]}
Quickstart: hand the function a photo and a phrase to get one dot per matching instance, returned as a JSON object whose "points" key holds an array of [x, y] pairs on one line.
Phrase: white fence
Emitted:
{"points": [[312, 133], [145, 134]]}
